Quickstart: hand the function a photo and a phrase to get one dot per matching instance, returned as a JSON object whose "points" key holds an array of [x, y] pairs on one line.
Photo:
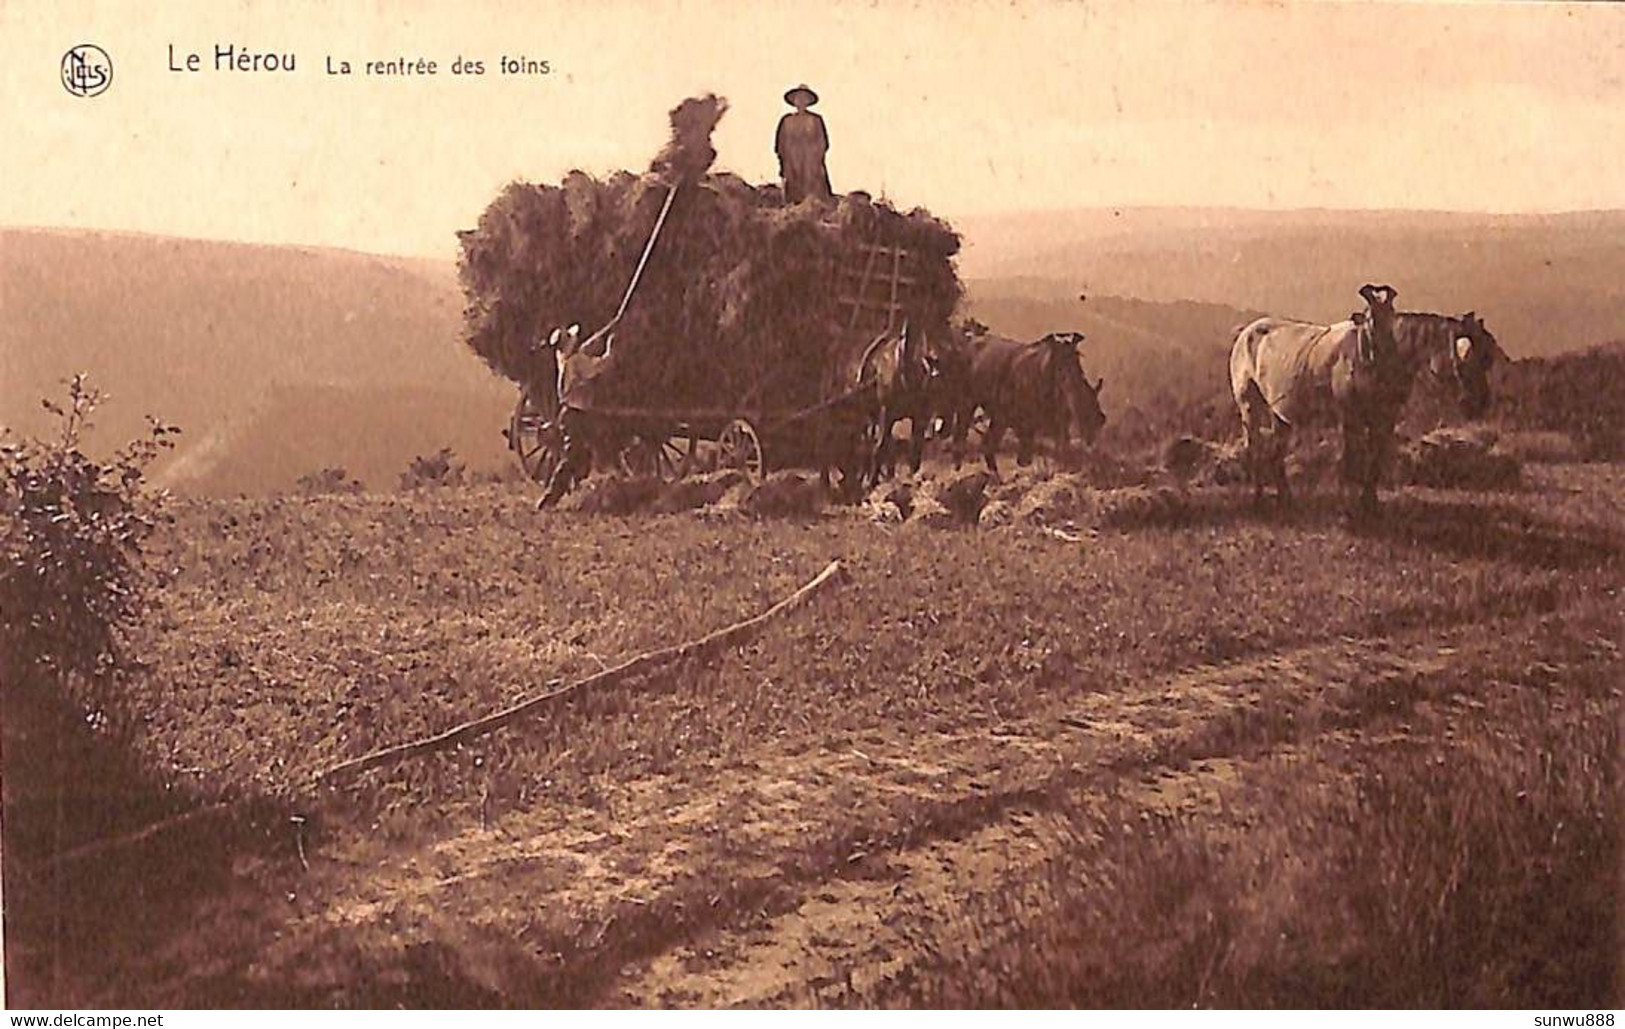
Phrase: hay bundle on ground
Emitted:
{"points": [[891, 502], [1052, 501], [955, 500], [1452, 458], [996, 515], [931, 513], [785, 495], [881, 512], [739, 303], [1066, 501], [697, 492], [1192, 460], [612, 495], [1138, 506]]}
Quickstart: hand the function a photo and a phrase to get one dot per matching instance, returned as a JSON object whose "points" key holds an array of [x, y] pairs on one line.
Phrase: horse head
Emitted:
{"points": [[1079, 397], [1379, 306], [1379, 297], [1376, 323], [1468, 361]]}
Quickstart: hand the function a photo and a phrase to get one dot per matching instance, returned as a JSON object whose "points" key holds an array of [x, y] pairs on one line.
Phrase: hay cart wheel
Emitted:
{"points": [[667, 458], [739, 447], [534, 436]]}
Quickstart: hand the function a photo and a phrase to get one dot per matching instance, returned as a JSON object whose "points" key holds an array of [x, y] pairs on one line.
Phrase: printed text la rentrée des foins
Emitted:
{"points": [[233, 58]]}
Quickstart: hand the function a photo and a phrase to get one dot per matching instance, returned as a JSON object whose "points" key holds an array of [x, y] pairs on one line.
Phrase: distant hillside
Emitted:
{"points": [[371, 433], [271, 359], [1545, 284]]}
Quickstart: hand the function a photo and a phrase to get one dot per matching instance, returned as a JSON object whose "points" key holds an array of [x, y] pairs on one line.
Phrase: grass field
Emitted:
{"points": [[1244, 760]]}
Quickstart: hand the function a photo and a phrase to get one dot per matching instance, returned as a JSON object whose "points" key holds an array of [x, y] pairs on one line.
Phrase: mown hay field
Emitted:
{"points": [[1237, 758]]}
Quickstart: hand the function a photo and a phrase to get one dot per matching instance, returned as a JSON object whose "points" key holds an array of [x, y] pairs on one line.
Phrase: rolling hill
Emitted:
{"points": [[275, 361], [1545, 284]]}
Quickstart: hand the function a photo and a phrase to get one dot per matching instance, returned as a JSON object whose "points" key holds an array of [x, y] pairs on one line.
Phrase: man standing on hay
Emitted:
{"points": [[801, 145]]}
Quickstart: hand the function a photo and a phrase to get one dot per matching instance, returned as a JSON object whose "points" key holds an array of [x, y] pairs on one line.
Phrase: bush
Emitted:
{"points": [[71, 575], [73, 583]]}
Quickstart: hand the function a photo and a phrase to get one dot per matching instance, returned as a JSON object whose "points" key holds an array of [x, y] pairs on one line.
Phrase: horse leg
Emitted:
{"points": [[951, 428], [1374, 460], [882, 449], [1282, 433], [1024, 447], [1358, 468], [990, 444], [918, 425], [1251, 454], [1256, 443], [1254, 459], [1382, 454]]}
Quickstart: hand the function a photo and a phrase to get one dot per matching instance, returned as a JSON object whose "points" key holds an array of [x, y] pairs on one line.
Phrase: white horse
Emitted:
{"points": [[1356, 374]]}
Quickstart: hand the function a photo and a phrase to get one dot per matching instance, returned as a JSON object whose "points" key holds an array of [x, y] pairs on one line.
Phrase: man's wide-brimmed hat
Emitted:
{"points": [[803, 89]]}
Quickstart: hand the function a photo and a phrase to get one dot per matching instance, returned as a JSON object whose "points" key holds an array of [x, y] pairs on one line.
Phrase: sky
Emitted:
{"points": [[969, 108]]}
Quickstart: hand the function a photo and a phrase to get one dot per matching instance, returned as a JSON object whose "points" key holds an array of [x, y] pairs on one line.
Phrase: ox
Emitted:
{"points": [[1034, 389]]}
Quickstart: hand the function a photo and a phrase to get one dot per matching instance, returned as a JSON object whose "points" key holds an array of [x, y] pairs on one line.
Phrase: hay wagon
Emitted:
{"points": [[837, 432], [670, 443]]}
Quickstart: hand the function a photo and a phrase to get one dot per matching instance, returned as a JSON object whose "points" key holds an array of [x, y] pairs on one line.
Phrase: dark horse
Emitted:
{"points": [[1356, 374], [899, 370], [1035, 388]]}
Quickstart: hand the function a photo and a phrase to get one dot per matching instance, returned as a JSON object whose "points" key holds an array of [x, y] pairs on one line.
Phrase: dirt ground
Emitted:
{"points": [[895, 797]]}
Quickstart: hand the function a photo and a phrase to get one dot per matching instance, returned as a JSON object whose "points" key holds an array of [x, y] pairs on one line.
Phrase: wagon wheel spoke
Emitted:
{"points": [[534, 436], [740, 448], [667, 458], [677, 454]]}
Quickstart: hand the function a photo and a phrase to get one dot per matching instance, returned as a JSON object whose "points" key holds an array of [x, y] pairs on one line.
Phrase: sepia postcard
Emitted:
{"points": [[844, 505]]}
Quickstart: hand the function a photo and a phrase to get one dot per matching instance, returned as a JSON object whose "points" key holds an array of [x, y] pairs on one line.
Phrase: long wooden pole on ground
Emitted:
{"points": [[731, 636]]}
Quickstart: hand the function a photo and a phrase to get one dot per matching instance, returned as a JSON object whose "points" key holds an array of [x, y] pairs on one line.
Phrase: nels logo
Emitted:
{"points": [[87, 70]]}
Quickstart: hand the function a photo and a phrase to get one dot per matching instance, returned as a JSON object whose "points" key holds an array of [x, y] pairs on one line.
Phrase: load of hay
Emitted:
{"points": [[739, 304]]}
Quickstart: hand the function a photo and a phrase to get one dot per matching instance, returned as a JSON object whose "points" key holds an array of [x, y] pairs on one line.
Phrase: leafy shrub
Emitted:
{"points": [[71, 575], [73, 584]]}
